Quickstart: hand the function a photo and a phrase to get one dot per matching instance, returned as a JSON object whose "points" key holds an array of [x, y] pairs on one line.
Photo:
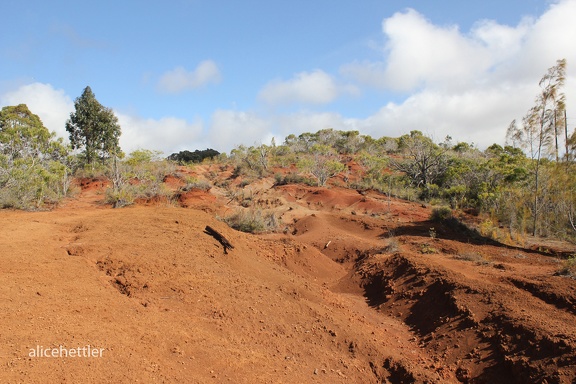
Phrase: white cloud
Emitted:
{"points": [[231, 128], [315, 87], [179, 79], [366, 73], [52, 105], [480, 115], [467, 85], [168, 134], [548, 39]]}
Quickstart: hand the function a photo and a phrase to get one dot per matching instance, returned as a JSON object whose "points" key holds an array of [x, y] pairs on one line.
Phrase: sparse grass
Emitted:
{"points": [[140, 176], [194, 183], [122, 197], [392, 246], [568, 268], [253, 221], [427, 249], [291, 178], [128, 193], [472, 257]]}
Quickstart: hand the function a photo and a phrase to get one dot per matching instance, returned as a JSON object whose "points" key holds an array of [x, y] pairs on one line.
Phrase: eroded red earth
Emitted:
{"points": [[354, 288]]}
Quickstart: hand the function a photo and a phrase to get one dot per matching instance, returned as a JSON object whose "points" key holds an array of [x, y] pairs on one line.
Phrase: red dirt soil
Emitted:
{"points": [[357, 288]]}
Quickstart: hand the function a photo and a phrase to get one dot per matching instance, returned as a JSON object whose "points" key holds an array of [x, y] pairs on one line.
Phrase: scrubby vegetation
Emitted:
{"points": [[568, 268], [253, 221], [139, 176], [527, 186], [35, 167]]}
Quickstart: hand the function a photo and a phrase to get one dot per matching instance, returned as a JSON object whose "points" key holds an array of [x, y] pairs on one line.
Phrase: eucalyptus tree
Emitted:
{"points": [[93, 128], [33, 163], [322, 162], [538, 133], [424, 161]]}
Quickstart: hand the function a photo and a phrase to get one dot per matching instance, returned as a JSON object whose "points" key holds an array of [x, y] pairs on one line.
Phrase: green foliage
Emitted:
{"points": [[291, 178], [539, 131], [322, 163], [139, 176], [251, 161], [93, 128], [424, 162], [184, 157], [441, 214], [34, 166], [343, 142], [143, 156]]}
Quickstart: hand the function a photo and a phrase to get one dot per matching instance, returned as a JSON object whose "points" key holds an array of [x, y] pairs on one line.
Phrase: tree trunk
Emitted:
{"points": [[556, 134], [566, 136]]}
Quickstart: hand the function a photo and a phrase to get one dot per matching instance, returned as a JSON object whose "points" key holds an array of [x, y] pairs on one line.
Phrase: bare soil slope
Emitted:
{"points": [[357, 289]]}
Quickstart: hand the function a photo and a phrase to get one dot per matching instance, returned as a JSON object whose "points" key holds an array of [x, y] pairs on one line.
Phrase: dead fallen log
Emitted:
{"points": [[218, 236]]}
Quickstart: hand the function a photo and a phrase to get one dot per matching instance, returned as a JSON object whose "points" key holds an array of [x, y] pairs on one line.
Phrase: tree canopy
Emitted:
{"points": [[93, 128], [32, 162], [193, 157]]}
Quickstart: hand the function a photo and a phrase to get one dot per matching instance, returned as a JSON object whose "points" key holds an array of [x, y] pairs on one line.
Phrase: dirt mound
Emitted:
{"points": [[357, 287]]}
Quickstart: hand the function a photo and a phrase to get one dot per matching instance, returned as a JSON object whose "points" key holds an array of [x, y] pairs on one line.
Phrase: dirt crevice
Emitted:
{"points": [[446, 311]]}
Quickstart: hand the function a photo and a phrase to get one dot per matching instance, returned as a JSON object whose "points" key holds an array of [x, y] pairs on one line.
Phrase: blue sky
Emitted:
{"points": [[191, 74]]}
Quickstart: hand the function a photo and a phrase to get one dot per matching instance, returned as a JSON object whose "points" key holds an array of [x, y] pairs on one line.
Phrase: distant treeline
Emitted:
{"points": [[193, 157]]}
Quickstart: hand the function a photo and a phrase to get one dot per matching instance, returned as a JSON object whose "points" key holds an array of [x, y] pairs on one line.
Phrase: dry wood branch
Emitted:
{"points": [[218, 236]]}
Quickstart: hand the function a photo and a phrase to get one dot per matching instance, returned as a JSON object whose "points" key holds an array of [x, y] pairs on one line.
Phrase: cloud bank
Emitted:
{"points": [[469, 85]]}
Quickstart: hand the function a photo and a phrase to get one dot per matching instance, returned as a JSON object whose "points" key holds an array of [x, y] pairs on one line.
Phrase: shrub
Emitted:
{"points": [[194, 183], [393, 245], [121, 197], [441, 214], [291, 178], [568, 268], [140, 176], [253, 221], [197, 156]]}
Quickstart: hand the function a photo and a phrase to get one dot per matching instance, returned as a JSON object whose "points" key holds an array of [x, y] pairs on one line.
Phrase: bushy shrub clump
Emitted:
{"points": [[441, 214], [253, 221]]}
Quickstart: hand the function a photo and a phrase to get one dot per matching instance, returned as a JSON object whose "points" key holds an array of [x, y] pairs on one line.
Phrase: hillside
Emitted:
{"points": [[354, 288]]}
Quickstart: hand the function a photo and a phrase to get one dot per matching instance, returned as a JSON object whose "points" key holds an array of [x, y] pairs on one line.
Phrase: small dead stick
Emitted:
{"points": [[218, 236]]}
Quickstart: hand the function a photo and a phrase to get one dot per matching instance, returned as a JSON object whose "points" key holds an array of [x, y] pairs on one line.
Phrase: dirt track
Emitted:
{"points": [[357, 289]]}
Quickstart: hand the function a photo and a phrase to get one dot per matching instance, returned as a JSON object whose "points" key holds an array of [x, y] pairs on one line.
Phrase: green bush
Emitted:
{"points": [[441, 214], [35, 167], [291, 178], [140, 176]]}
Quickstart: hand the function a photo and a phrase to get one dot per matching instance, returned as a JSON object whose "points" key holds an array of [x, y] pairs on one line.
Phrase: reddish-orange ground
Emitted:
{"points": [[355, 288]]}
